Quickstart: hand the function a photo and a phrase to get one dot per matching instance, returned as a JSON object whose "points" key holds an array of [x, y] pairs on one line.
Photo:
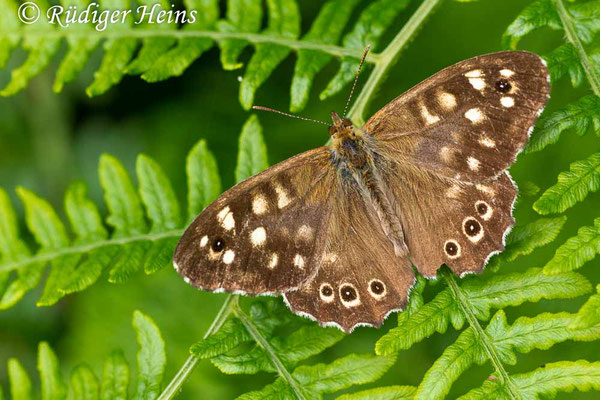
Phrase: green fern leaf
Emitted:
{"points": [[151, 357], [52, 386], [157, 195], [20, 384], [525, 335], [232, 334], [204, 183], [118, 52], [523, 240], [178, 58], [9, 23], [252, 154], [563, 376], [371, 25], [589, 314], [83, 384], [576, 251], [152, 47], [327, 378], [115, 377], [382, 393], [572, 186], [41, 49], [541, 14], [284, 22], [327, 28], [580, 116], [242, 16]]}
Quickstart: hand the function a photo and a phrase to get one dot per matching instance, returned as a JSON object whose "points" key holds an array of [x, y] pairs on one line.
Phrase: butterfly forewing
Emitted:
{"points": [[469, 121], [262, 235]]}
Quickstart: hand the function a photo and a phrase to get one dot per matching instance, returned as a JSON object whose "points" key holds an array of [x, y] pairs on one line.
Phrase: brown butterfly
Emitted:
{"points": [[338, 229]]}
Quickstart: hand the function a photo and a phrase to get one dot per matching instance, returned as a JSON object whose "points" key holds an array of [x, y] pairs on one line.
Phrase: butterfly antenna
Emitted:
{"points": [[362, 61], [289, 115]]}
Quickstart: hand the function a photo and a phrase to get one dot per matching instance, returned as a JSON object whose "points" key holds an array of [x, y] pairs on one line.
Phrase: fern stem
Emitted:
{"points": [[253, 38], [591, 74], [86, 248], [489, 347], [174, 386], [264, 343], [388, 57]]}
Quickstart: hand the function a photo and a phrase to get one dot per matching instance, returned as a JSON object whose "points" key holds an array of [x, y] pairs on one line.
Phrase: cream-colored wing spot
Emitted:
{"points": [[474, 115], [427, 116], [258, 237], [225, 218], [259, 205], [283, 198]]}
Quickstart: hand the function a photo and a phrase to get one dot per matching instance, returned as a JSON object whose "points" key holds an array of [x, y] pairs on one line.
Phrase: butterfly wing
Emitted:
{"points": [[360, 279], [469, 121], [260, 236], [445, 146]]}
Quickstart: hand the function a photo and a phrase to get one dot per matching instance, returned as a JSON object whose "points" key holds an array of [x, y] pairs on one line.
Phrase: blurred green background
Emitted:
{"points": [[47, 140]]}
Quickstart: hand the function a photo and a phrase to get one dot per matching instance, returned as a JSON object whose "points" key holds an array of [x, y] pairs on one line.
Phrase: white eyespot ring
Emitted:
{"points": [[452, 249], [326, 292], [377, 289], [472, 229], [349, 295], [484, 210]]}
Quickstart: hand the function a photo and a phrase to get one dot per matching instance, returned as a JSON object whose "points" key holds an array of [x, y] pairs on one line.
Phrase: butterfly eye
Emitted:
{"points": [[332, 130], [346, 122], [218, 245], [503, 85]]}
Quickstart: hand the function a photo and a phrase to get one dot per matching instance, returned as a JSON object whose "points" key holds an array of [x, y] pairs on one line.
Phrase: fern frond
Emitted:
{"points": [[576, 251], [589, 314], [166, 51], [543, 14], [579, 116], [321, 379], [547, 381], [146, 223], [83, 383], [382, 393], [525, 335], [573, 186]]}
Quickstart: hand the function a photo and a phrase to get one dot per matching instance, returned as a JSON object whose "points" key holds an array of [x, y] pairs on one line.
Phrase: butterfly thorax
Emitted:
{"points": [[354, 152]]}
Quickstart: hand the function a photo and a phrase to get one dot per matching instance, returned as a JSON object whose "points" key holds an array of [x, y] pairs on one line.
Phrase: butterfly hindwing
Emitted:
{"points": [[469, 121], [360, 279], [261, 235]]}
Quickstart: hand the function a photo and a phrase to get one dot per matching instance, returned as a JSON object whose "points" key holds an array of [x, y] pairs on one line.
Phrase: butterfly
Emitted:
{"points": [[338, 230]]}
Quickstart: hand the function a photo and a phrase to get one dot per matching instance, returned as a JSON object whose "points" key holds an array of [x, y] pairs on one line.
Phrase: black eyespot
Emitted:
{"points": [[218, 245], [482, 208], [503, 85], [472, 227], [326, 291], [451, 248], [348, 293], [377, 287]]}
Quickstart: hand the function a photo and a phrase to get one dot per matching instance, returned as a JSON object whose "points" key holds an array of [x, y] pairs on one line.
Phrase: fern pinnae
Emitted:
{"points": [[573, 186], [576, 251], [83, 382]]}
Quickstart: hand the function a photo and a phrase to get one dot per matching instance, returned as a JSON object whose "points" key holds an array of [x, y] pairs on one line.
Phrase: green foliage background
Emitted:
{"points": [[47, 140]]}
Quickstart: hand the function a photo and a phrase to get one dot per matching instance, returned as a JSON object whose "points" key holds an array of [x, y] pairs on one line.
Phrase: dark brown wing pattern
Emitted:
{"points": [[261, 236]]}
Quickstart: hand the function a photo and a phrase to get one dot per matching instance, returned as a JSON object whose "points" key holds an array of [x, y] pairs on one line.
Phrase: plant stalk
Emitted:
{"points": [[174, 386], [388, 57], [489, 347], [254, 38], [591, 74], [264, 343]]}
